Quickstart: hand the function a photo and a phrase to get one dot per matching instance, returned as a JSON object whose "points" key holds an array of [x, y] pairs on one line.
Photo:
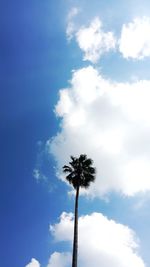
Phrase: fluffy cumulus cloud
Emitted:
{"points": [[33, 263], [110, 122], [102, 242], [60, 260], [135, 39], [56, 260], [93, 41]]}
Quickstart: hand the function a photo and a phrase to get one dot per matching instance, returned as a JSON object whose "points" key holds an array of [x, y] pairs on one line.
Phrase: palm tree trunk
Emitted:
{"points": [[75, 239]]}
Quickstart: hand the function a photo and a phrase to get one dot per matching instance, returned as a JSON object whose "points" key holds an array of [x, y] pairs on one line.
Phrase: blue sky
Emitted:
{"points": [[74, 79]]}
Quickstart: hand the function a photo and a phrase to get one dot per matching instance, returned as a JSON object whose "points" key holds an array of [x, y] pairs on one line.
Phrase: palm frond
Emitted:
{"points": [[67, 169]]}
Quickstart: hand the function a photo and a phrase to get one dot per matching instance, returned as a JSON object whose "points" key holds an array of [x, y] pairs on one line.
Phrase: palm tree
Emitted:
{"points": [[80, 173]]}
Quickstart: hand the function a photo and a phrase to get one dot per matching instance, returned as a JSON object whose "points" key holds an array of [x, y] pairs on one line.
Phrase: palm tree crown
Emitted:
{"points": [[80, 171]]}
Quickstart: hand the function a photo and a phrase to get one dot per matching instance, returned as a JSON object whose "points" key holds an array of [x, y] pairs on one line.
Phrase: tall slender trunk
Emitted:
{"points": [[75, 239]]}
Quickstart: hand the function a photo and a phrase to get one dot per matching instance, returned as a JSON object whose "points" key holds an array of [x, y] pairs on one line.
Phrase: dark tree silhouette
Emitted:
{"points": [[80, 173]]}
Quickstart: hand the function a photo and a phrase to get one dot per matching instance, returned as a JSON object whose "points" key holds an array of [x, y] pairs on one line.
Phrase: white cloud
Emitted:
{"points": [[135, 39], [93, 41], [71, 28], [102, 242], [63, 233], [33, 263], [60, 260], [110, 122]]}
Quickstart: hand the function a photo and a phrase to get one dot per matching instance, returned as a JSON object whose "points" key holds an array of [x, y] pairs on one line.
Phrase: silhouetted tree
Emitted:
{"points": [[80, 173]]}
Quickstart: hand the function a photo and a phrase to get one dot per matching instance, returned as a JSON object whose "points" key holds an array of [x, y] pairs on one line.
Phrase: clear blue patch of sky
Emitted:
{"points": [[33, 66]]}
